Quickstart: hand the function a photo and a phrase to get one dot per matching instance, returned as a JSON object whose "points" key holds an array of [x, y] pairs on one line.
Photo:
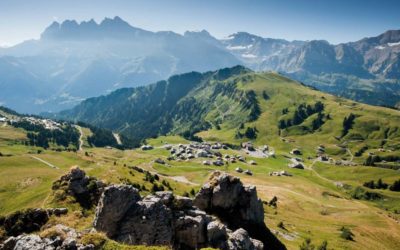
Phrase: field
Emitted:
{"points": [[314, 203], [309, 204]]}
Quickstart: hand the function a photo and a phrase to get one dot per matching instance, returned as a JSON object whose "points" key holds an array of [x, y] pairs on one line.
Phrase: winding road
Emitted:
{"points": [[80, 137]]}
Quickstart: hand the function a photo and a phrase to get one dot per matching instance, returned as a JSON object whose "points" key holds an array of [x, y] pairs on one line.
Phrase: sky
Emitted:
{"points": [[335, 21]]}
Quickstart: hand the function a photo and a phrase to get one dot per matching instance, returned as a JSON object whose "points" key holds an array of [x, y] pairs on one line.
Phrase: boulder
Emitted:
{"points": [[240, 239], [167, 197], [147, 222], [226, 192], [115, 201], [182, 203], [33, 242], [58, 211], [216, 234], [68, 241], [190, 232], [235, 205]]}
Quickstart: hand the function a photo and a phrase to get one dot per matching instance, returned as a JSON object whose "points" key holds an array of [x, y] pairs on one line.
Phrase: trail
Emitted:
{"points": [[181, 179], [266, 187], [311, 168], [45, 162], [80, 137], [351, 155], [117, 138]]}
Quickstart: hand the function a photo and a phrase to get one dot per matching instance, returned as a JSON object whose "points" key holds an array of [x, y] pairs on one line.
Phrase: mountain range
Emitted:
{"points": [[73, 61]]}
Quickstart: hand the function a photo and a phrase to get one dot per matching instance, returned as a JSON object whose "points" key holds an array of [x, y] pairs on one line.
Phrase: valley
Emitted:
{"points": [[329, 146]]}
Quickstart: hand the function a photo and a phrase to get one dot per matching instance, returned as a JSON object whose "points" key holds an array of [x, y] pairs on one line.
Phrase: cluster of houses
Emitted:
{"points": [[208, 151], [46, 123], [261, 152]]}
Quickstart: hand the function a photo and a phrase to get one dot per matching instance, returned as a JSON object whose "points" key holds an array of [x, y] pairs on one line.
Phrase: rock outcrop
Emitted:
{"points": [[237, 206], [86, 190], [183, 223], [29, 220], [66, 239]]}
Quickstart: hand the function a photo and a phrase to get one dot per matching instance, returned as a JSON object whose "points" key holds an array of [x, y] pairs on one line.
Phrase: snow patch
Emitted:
{"points": [[393, 44], [239, 47], [380, 47], [249, 56], [236, 47], [228, 38]]}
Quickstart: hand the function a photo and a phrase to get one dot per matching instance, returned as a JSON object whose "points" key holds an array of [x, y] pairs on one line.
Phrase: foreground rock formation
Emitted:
{"points": [[64, 238], [165, 219], [86, 190], [237, 206], [224, 215]]}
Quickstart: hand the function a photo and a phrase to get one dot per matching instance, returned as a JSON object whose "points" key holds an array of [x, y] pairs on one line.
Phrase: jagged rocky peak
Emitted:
{"points": [[72, 30]]}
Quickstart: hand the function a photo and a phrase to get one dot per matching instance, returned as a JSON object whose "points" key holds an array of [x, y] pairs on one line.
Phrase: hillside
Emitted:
{"points": [[222, 105], [314, 202]]}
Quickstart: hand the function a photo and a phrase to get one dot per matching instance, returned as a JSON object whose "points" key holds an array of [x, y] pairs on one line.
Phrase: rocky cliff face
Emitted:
{"points": [[237, 206], [225, 214], [166, 219]]}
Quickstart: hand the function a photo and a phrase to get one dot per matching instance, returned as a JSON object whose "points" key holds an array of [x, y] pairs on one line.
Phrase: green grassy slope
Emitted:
{"points": [[310, 203]]}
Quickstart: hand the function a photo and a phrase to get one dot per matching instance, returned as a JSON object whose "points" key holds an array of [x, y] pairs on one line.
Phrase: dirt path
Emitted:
{"points": [[80, 137], [351, 155], [181, 179], [45, 162], [311, 168]]}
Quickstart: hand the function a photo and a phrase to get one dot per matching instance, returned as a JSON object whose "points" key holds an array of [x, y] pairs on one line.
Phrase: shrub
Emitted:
{"points": [[323, 246], [251, 133], [395, 186], [348, 124], [97, 239], [346, 233], [307, 245], [360, 193], [52, 233]]}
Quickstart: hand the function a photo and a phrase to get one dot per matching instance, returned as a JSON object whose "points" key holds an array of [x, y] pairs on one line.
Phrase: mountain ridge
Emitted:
{"points": [[234, 105], [87, 59]]}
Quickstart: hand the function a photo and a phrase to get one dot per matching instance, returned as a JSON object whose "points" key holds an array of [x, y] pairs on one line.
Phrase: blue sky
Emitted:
{"points": [[335, 21]]}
